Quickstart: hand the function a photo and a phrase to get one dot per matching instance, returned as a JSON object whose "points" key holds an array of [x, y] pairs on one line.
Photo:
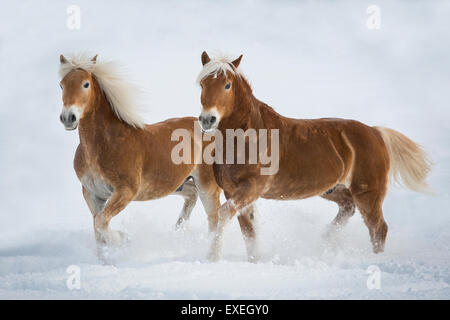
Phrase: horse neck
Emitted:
{"points": [[100, 122], [246, 111]]}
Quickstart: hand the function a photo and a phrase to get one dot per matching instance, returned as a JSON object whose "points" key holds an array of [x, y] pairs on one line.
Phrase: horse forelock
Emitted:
{"points": [[77, 61], [122, 95], [217, 66]]}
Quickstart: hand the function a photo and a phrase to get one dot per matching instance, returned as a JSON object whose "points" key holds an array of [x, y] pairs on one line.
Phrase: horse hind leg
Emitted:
{"points": [[369, 204], [344, 199], [189, 192], [368, 187]]}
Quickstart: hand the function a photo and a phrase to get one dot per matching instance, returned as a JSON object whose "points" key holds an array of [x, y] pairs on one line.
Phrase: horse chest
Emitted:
{"points": [[89, 169]]}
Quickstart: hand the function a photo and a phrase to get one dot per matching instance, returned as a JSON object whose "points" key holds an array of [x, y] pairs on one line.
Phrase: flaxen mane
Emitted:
{"points": [[122, 95]]}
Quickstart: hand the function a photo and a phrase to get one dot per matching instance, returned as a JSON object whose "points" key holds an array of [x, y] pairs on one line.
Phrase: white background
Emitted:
{"points": [[307, 60]]}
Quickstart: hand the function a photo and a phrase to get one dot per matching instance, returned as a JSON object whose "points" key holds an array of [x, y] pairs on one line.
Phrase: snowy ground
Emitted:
{"points": [[307, 60]]}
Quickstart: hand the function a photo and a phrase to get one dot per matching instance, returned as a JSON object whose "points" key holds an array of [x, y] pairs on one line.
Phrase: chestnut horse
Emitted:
{"points": [[119, 158], [344, 161]]}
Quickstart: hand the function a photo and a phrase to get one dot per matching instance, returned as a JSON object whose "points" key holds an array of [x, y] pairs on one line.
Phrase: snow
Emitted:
{"points": [[307, 60]]}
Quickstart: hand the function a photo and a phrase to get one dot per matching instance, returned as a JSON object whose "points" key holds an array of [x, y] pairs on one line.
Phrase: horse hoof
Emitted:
{"points": [[116, 238], [181, 225], [378, 248], [331, 232], [214, 256]]}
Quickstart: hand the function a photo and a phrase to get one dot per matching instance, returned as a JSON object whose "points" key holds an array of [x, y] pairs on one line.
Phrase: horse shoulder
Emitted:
{"points": [[79, 162]]}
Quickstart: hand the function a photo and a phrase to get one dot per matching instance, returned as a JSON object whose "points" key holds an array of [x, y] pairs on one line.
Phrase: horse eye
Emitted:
{"points": [[60, 85], [86, 85], [228, 86]]}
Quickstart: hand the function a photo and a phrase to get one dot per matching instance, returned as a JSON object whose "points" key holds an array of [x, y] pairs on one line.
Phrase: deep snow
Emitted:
{"points": [[306, 59]]}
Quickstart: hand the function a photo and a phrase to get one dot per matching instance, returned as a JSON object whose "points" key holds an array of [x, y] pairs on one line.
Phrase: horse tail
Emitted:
{"points": [[410, 164]]}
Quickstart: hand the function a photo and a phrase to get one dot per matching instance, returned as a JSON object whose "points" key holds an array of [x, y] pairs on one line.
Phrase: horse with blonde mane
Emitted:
{"points": [[344, 161], [121, 159]]}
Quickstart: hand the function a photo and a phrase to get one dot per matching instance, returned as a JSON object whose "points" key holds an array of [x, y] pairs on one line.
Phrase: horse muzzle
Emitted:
{"points": [[70, 117], [209, 120]]}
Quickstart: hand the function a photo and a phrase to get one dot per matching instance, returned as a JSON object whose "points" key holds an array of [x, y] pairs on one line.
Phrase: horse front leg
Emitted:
{"points": [[242, 198], [95, 205], [120, 198], [247, 222]]}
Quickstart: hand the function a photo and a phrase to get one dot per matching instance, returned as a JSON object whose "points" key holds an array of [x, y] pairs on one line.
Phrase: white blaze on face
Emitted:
{"points": [[70, 116], [209, 119]]}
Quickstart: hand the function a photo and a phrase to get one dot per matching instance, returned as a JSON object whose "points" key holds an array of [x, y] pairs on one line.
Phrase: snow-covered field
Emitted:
{"points": [[307, 59]]}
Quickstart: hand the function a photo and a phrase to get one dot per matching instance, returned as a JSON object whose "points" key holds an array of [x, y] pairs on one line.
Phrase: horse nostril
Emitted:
{"points": [[61, 118], [213, 119], [72, 118], [200, 119]]}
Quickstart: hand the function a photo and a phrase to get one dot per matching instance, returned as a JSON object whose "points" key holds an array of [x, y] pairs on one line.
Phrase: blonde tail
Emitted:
{"points": [[409, 163]]}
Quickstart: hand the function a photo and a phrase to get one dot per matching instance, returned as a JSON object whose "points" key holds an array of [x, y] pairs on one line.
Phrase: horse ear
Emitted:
{"points": [[62, 59], [205, 58], [94, 59], [237, 62]]}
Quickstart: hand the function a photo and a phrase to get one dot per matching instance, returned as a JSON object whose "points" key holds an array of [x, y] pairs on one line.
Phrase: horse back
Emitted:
{"points": [[317, 154]]}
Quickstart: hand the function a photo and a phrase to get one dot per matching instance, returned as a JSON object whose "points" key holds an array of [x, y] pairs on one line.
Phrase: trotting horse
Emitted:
{"points": [[344, 161], [119, 158]]}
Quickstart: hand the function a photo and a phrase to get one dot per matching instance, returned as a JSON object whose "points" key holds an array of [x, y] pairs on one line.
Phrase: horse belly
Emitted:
{"points": [[160, 182], [151, 190], [310, 171]]}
